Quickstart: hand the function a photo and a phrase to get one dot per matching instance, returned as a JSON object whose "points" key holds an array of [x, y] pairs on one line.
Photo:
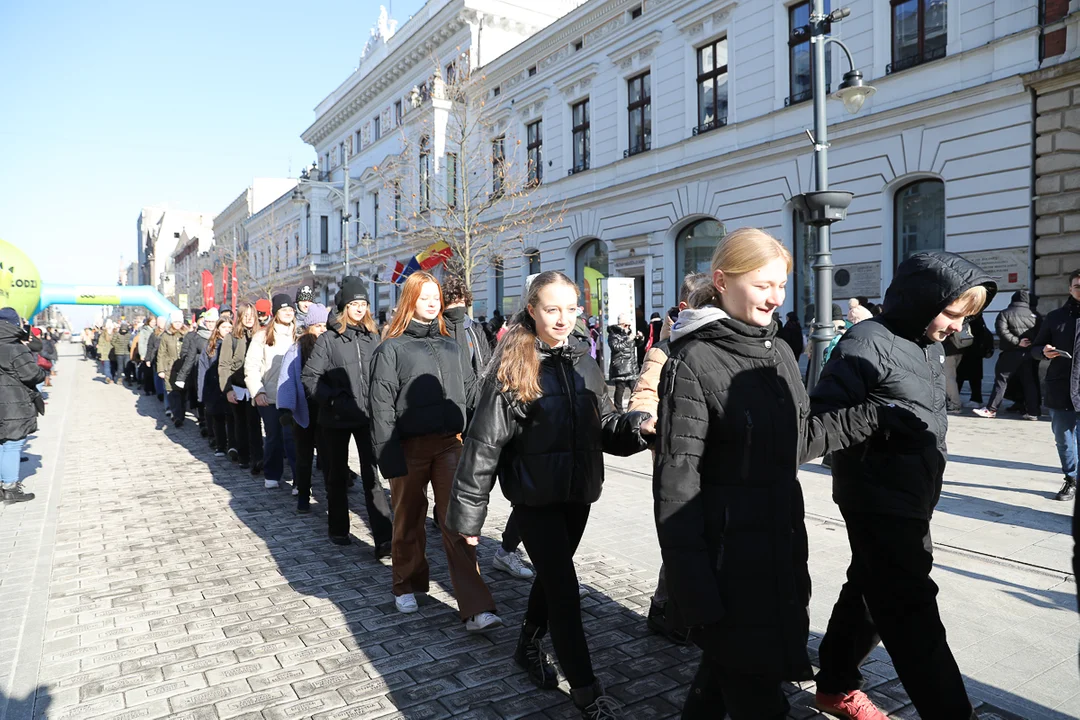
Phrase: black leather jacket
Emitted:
{"points": [[545, 452]]}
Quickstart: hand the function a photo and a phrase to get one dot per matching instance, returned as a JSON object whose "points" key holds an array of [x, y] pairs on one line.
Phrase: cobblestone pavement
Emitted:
{"points": [[150, 579]]}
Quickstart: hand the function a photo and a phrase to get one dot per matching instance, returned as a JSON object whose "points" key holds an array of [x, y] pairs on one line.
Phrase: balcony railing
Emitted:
{"points": [[711, 125], [917, 59], [638, 149], [803, 96]]}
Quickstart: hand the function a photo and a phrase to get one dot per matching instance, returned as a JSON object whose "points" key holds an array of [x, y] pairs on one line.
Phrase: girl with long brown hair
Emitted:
{"points": [[419, 391], [247, 426], [336, 379], [542, 424]]}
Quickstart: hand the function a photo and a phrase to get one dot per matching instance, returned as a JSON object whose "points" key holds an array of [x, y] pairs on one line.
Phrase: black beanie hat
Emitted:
{"points": [[305, 294], [352, 289], [281, 300]]}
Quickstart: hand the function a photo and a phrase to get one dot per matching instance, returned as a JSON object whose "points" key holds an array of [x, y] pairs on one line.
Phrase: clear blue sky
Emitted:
{"points": [[108, 106]]}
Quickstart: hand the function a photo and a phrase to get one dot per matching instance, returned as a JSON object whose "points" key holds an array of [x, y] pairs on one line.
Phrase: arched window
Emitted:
{"points": [[918, 219], [694, 248], [590, 267], [532, 256]]}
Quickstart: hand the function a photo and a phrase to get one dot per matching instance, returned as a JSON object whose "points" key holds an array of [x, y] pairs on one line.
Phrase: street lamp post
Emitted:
{"points": [[823, 207], [342, 195]]}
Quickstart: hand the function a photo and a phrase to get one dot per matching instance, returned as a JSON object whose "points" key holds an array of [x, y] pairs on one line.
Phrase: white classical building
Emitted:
{"points": [[656, 125], [159, 231]]}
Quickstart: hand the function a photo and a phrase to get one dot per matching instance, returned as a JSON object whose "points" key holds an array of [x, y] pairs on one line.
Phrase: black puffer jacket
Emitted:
{"points": [[624, 366], [889, 359], [188, 363], [419, 386], [19, 376], [469, 336], [1062, 389], [733, 427], [152, 344], [1016, 322], [337, 376], [545, 452]]}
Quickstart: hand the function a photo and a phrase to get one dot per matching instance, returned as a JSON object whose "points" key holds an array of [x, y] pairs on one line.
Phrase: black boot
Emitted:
{"points": [[594, 704], [15, 494], [661, 624], [1068, 489], [531, 658]]}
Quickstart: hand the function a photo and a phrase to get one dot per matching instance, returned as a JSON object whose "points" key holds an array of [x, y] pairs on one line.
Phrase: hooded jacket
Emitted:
{"points": [[1062, 389], [168, 354], [646, 395], [121, 346], [420, 385], [889, 360], [545, 452], [188, 365], [733, 427], [19, 377], [337, 375], [623, 366]]}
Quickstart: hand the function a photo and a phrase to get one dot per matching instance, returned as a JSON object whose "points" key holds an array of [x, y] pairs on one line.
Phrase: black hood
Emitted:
{"points": [[1021, 297], [924, 285], [741, 338], [11, 333]]}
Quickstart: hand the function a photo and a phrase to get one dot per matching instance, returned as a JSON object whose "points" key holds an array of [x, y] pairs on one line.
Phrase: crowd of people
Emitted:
{"points": [[28, 358], [713, 390]]}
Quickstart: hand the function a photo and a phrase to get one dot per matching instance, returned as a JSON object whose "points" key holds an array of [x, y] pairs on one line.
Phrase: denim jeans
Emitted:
{"points": [[10, 457], [278, 444], [159, 385], [1063, 423]]}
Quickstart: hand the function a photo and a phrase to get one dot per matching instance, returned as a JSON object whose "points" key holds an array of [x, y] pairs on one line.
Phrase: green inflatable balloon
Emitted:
{"points": [[20, 284]]}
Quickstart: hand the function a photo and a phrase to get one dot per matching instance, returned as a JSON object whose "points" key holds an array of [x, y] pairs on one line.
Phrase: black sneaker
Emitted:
{"points": [[256, 468], [660, 624], [203, 431], [341, 539], [594, 704], [16, 494], [245, 465], [531, 658], [1068, 489], [234, 454], [383, 550], [303, 505]]}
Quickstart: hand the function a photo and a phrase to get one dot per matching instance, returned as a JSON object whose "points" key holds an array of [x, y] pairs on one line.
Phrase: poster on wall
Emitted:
{"points": [[1010, 267], [616, 298], [857, 279]]}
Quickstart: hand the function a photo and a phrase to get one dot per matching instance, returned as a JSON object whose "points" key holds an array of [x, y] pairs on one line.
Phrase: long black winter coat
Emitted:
{"points": [[1062, 388], [337, 376], [419, 386], [19, 377], [733, 427], [889, 359], [624, 364], [152, 345], [545, 452], [188, 363]]}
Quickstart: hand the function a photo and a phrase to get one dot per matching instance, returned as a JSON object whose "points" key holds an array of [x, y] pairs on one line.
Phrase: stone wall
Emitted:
{"points": [[1057, 180]]}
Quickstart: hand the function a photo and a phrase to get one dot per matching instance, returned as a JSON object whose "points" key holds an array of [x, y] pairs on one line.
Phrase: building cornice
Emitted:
{"points": [[642, 45], [688, 22]]}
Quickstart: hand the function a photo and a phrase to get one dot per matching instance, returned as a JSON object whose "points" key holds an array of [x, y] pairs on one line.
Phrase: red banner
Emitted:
{"points": [[224, 282], [208, 289], [235, 291]]}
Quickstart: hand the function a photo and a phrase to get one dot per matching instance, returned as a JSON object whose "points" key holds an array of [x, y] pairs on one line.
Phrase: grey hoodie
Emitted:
{"points": [[693, 319]]}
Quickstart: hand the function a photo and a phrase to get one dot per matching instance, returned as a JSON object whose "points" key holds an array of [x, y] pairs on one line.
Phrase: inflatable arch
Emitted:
{"points": [[21, 288]]}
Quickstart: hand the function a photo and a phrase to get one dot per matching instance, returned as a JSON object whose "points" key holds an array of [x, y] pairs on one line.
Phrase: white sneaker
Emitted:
{"points": [[406, 603], [270, 484], [295, 491], [511, 563], [219, 454], [483, 621]]}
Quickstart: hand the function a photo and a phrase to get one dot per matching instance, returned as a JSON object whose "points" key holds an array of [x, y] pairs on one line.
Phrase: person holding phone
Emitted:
{"points": [[1057, 342]]}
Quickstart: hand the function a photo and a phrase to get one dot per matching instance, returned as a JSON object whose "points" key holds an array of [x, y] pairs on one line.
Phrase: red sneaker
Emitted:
{"points": [[852, 706]]}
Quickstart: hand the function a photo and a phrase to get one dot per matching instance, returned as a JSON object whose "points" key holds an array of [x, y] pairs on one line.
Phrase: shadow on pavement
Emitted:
{"points": [[34, 705], [1050, 599], [1005, 464]]}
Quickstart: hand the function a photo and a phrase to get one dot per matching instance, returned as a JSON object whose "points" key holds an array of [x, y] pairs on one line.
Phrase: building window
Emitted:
{"points": [[496, 92], [500, 285], [451, 73], [639, 114], [712, 86], [694, 246], [919, 218], [324, 234], [635, 13], [397, 113], [591, 266], [398, 219], [451, 180], [375, 215], [341, 153], [356, 142], [356, 216], [425, 173], [580, 113], [532, 255], [578, 44], [532, 71], [535, 146], [799, 55], [376, 127], [802, 242], [919, 32], [498, 164]]}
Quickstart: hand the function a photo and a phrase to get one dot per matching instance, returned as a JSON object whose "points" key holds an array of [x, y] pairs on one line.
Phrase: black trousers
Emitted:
{"points": [[147, 379], [223, 430], [247, 428], [511, 539], [889, 596], [336, 442], [178, 405], [1007, 366], [307, 440], [551, 535], [716, 691], [622, 391]]}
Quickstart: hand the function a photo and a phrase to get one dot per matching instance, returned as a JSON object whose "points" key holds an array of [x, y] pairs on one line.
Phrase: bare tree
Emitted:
{"points": [[463, 178], [259, 260]]}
